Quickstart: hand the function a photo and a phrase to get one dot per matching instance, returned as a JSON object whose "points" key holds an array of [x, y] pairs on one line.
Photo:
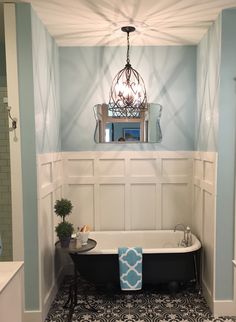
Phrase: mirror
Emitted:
{"points": [[143, 128]]}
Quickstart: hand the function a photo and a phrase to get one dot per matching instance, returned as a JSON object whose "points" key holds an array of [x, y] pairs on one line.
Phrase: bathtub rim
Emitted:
{"points": [[96, 251]]}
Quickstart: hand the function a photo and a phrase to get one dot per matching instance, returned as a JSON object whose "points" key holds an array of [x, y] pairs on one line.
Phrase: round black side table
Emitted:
{"points": [[73, 250]]}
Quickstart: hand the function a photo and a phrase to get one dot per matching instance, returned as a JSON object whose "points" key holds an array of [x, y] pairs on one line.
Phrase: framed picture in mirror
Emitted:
{"points": [[131, 134]]}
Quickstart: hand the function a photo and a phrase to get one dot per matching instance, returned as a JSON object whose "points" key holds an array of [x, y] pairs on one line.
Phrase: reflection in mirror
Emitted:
{"points": [[144, 127]]}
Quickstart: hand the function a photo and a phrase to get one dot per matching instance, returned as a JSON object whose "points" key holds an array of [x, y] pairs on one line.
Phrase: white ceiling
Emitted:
{"points": [[98, 22]]}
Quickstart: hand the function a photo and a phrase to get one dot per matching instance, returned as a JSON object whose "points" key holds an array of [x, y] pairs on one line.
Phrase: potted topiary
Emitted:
{"points": [[64, 229]]}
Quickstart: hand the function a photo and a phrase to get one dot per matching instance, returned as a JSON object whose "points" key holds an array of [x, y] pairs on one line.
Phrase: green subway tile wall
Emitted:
{"points": [[5, 182]]}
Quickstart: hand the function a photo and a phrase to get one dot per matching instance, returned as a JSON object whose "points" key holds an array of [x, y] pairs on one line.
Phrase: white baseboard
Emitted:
{"points": [[52, 294], [224, 308], [218, 308], [32, 316], [207, 295]]}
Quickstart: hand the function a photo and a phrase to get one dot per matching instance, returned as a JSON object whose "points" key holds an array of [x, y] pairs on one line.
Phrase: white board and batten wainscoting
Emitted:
{"points": [[129, 190], [50, 188], [203, 219], [126, 190]]}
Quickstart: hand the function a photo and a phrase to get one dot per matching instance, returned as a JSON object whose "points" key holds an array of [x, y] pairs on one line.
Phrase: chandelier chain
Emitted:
{"points": [[128, 46]]}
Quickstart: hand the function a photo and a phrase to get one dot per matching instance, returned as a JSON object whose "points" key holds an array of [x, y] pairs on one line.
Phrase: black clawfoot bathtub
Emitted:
{"points": [[164, 261]]}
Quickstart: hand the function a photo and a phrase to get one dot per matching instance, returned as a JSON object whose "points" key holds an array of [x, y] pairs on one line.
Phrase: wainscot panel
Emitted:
{"points": [[203, 223], [50, 188], [129, 190]]}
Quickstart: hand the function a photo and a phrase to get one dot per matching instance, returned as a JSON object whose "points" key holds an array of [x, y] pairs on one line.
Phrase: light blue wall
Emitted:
{"points": [[86, 75], [208, 80], [28, 151], [216, 121], [40, 127], [225, 207], [46, 88]]}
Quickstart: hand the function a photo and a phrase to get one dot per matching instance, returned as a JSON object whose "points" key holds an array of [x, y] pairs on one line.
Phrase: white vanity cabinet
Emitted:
{"points": [[11, 291]]}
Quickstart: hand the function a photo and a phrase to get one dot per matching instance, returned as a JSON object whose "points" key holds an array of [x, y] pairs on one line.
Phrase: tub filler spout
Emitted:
{"points": [[187, 239]]}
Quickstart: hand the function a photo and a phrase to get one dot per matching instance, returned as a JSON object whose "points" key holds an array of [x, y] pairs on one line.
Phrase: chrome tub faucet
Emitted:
{"points": [[187, 240]]}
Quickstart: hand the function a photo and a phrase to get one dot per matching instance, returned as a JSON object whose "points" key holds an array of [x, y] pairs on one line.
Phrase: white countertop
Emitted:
{"points": [[7, 271]]}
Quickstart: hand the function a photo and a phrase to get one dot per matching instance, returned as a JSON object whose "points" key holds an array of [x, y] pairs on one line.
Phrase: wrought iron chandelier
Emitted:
{"points": [[127, 94]]}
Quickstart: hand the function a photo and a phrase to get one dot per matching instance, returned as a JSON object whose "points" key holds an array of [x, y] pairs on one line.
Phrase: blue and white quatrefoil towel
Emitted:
{"points": [[130, 263]]}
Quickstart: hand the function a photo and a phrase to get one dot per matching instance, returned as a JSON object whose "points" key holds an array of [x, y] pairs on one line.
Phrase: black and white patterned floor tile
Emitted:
{"points": [[146, 306]]}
